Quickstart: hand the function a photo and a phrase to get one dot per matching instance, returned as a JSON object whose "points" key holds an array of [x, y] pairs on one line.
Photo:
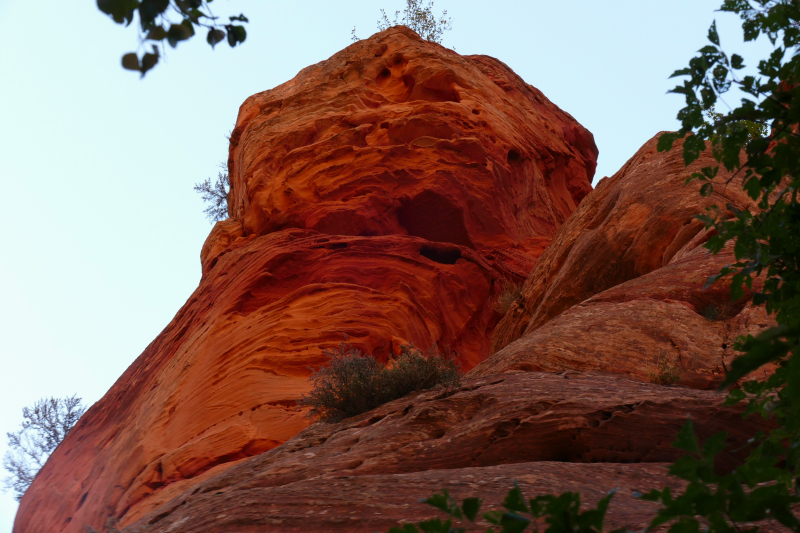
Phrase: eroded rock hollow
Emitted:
{"points": [[386, 193]]}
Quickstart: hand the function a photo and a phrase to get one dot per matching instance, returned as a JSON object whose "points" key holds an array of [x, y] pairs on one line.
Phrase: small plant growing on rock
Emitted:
{"points": [[413, 370], [668, 373], [346, 386], [510, 294], [353, 383], [215, 195], [44, 425], [418, 17], [718, 311]]}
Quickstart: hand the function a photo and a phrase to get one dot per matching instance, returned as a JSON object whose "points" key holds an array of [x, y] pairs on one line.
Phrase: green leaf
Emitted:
{"points": [[157, 34], [435, 526], [765, 348], [150, 10], [666, 140], [714, 445], [753, 188], [215, 36], [693, 146], [240, 18], [707, 190], [471, 507], [737, 62], [121, 11], [236, 34], [445, 503], [513, 523], [713, 36], [179, 32], [735, 396], [686, 438], [681, 72], [148, 61], [514, 501]]}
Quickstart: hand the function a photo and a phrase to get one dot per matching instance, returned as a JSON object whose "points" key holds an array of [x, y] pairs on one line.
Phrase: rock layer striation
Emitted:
{"points": [[386, 193], [622, 286], [366, 473]]}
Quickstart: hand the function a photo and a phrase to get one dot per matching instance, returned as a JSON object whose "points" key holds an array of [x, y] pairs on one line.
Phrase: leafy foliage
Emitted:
{"points": [[44, 426], [757, 490], [170, 21], [353, 383], [216, 196], [555, 514], [764, 130], [418, 17]]}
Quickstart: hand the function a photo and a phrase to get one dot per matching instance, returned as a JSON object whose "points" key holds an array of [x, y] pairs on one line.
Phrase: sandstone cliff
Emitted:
{"points": [[621, 288], [621, 284], [552, 432], [386, 193]]}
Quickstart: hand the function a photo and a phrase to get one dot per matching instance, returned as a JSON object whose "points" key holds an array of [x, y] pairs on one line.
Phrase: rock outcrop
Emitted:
{"points": [[621, 288], [387, 194], [544, 427]]}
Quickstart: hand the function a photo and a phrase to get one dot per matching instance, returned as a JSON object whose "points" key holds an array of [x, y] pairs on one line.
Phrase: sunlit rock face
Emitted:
{"points": [[620, 293], [386, 194], [622, 286]]}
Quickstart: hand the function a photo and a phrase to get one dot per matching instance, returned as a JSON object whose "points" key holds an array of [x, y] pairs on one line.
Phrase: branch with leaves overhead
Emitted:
{"points": [[170, 21]]}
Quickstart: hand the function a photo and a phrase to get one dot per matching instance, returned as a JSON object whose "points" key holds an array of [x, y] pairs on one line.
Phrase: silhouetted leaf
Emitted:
{"points": [[130, 61]]}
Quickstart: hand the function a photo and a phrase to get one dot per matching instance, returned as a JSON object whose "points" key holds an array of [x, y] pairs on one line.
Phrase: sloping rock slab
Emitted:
{"points": [[659, 323], [633, 223], [380, 502], [508, 419]]}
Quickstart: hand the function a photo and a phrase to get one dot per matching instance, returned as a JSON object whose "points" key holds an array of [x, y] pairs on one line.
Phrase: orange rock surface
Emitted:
{"points": [[620, 289], [386, 194], [367, 473]]}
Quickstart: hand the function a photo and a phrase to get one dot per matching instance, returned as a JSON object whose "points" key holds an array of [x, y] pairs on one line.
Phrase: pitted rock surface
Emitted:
{"points": [[386, 193], [543, 427], [622, 287]]}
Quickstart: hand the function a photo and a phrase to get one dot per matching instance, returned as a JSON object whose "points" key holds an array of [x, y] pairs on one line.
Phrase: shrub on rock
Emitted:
{"points": [[353, 383]]}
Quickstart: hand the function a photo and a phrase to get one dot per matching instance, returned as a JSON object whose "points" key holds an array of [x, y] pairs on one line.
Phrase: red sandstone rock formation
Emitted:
{"points": [[621, 286], [367, 472], [385, 193]]}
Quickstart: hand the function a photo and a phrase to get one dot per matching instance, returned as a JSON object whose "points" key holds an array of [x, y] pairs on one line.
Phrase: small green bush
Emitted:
{"points": [[668, 372], [353, 383]]}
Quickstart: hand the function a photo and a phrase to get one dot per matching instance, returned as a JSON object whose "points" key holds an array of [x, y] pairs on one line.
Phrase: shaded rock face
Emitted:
{"points": [[365, 473], [620, 289], [386, 194]]}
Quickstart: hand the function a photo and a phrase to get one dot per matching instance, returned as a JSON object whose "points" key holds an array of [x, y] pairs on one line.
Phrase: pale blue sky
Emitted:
{"points": [[100, 233]]}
